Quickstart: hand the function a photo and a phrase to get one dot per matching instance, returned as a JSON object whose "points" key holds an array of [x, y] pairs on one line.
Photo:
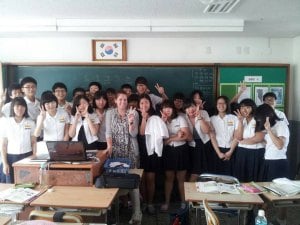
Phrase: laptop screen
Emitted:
{"points": [[66, 151]]}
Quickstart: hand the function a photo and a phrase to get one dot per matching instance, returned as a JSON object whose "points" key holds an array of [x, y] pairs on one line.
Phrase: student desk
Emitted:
{"points": [[5, 220], [226, 201], [64, 174], [280, 201], [77, 198]]}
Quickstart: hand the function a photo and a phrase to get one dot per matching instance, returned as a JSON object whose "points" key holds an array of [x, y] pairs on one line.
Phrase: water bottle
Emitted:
{"points": [[261, 219], [42, 174]]}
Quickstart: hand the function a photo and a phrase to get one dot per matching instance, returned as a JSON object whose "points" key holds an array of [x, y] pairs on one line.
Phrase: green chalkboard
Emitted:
{"points": [[172, 78], [258, 79]]}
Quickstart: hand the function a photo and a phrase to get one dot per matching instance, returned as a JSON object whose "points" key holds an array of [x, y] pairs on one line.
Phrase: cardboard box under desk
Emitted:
{"points": [[58, 173]]}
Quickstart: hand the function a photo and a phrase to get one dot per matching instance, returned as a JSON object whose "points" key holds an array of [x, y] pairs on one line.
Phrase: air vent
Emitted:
{"points": [[220, 6]]}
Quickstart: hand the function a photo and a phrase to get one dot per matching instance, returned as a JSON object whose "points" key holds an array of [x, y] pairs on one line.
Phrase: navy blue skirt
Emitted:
{"points": [[275, 169], [176, 158], [249, 164]]}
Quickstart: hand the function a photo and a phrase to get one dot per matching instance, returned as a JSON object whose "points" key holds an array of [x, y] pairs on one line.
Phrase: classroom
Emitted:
{"points": [[211, 45]]}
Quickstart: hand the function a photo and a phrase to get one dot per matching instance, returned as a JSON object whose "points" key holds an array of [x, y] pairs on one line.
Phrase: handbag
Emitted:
{"points": [[118, 180]]}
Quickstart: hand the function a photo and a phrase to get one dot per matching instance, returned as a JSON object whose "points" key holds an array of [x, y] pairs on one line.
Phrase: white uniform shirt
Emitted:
{"points": [[18, 135], [282, 116], [62, 107], [173, 128], [224, 129], [155, 100], [33, 108], [89, 137], [249, 131], [6, 109], [204, 137], [54, 127], [280, 129]]}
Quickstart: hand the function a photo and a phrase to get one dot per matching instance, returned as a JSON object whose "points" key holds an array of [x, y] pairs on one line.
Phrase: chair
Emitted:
{"points": [[211, 217], [55, 216]]}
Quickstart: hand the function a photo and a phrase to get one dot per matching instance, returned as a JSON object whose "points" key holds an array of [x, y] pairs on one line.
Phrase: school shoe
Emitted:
{"points": [[151, 209], [164, 207], [136, 219]]}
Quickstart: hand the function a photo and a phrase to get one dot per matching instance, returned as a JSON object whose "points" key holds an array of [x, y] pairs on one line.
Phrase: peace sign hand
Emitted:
{"points": [[3, 95], [42, 112], [239, 115], [160, 89], [243, 86], [77, 114], [267, 124], [131, 115]]}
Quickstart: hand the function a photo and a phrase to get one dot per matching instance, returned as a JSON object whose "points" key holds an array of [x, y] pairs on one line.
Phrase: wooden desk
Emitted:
{"points": [[58, 173], [241, 203], [280, 201], [5, 220], [77, 197]]}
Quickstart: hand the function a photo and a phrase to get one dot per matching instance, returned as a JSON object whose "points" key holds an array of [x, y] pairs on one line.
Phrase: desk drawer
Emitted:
{"points": [[69, 177]]}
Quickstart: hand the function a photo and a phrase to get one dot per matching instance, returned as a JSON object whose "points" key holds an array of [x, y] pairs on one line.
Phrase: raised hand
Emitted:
{"points": [[201, 105], [267, 124], [239, 115], [160, 89], [3, 95], [131, 115], [243, 86], [77, 114], [42, 112]]}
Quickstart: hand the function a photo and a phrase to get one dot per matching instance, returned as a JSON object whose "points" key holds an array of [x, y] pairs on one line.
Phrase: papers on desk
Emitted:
{"points": [[19, 195], [284, 187], [214, 187]]}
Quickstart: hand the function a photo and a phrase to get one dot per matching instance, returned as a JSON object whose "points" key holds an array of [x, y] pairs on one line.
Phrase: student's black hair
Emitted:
{"points": [[141, 80], [95, 83], [10, 89], [46, 97], [169, 104], [188, 103], [261, 113], [226, 99], [133, 98], [248, 102], [27, 80], [151, 110], [99, 95], [78, 89], [76, 103], [59, 85], [126, 86], [200, 93], [269, 94], [18, 101], [111, 90], [178, 95]]}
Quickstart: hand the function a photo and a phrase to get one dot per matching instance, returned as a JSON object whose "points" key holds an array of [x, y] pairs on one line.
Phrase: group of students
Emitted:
{"points": [[157, 134]]}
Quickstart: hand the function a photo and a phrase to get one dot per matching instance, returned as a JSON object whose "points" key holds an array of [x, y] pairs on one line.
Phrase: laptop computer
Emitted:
{"points": [[71, 151]]}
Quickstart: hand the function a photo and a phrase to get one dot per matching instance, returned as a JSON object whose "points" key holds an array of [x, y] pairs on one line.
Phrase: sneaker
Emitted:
{"points": [[164, 207], [136, 219], [151, 209]]}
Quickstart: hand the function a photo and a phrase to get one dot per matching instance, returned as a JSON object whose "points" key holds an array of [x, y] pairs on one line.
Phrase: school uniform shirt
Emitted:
{"points": [[6, 109], [155, 100], [155, 131], [33, 108], [89, 137], [174, 126], [249, 131], [18, 135], [280, 129], [54, 127], [224, 129], [62, 107], [282, 116], [204, 137]]}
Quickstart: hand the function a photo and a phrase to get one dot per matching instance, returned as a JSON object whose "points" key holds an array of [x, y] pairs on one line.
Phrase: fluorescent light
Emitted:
{"points": [[104, 25], [197, 25], [24, 25]]}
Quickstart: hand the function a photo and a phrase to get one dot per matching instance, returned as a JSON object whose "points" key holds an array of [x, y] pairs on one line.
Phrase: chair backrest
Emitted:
{"points": [[211, 217], [218, 178], [49, 215]]}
